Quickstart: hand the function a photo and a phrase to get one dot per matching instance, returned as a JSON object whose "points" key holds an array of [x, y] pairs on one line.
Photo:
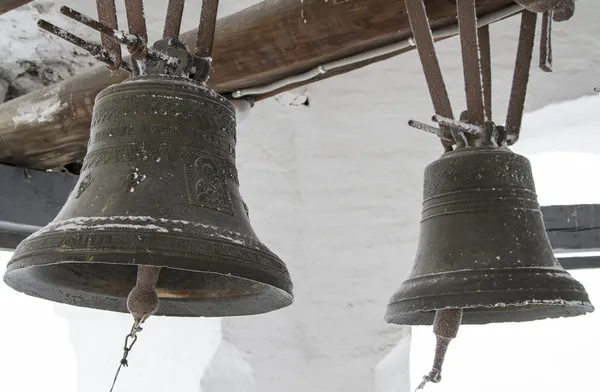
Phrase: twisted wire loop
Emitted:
{"points": [[130, 340]]}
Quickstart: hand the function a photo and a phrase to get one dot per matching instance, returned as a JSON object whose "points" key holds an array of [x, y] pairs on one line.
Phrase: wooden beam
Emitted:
{"points": [[256, 46], [7, 5], [573, 227], [30, 202], [581, 262]]}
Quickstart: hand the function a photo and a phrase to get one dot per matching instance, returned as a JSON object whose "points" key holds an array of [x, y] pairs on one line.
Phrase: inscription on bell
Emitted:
{"points": [[113, 112]]}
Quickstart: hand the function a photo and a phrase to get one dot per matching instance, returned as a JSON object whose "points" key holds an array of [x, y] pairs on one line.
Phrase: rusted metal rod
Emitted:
{"points": [[419, 23], [485, 52], [97, 51], [429, 129], [206, 29], [516, 104], [467, 22], [107, 15], [136, 19], [546, 42], [461, 126], [89, 22], [421, 29], [131, 40], [173, 20]]}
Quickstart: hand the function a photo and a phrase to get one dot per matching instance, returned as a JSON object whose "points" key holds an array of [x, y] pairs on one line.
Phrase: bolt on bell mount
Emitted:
{"points": [[156, 223], [483, 254]]}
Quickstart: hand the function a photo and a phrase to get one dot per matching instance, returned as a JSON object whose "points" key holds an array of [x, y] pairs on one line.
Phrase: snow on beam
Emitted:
{"points": [[259, 45]]}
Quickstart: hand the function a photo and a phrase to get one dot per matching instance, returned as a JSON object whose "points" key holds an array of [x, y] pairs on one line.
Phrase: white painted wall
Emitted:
{"points": [[335, 190]]}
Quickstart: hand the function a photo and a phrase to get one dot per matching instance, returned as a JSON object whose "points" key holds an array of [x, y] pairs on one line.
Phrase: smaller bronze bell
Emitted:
{"points": [[483, 247]]}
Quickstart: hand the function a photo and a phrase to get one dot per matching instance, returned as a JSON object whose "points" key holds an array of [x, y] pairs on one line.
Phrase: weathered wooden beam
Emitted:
{"points": [[30, 202], [574, 233], [256, 46], [573, 227], [7, 5], [579, 262]]}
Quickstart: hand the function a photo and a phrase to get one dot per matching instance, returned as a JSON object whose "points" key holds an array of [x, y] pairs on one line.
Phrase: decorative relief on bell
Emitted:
{"points": [[206, 184], [83, 184]]}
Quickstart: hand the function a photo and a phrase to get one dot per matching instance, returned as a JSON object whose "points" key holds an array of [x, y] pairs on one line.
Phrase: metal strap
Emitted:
{"points": [[173, 21], [136, 19], [206, 29], [107, 15], [518, 92], [419, 24], [546, 42], [467, 22], [485, 53]]}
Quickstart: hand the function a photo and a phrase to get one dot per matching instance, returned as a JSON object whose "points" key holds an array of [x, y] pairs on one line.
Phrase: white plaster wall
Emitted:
{"points": [[335, 190]]}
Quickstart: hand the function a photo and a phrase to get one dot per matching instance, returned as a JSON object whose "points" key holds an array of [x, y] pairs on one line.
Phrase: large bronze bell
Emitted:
{"points": [[483, 247], [158, 187]]}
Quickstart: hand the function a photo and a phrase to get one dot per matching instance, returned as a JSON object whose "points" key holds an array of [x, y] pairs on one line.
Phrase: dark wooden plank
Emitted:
{"points": [[256, 46], [30, 202], [577, 263], [571, 216], [7, 5], [573, 226]]}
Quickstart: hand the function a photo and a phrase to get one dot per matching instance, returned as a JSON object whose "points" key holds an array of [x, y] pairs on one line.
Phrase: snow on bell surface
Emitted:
{"points": [[159, 187], [483, 247]]}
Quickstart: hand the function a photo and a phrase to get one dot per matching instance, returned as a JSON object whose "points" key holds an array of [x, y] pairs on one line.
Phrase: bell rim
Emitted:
{"points": [[479, 314], [276, 288], [557, 296], [170, 307]]}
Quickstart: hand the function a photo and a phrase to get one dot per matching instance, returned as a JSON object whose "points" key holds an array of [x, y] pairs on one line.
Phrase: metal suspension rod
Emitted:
{"points": [[467, 23], [107, 15], [136, 19], [97, 51], [516, 105], [206, 29], [131, 40], [419, 24], [173, 20], [546, 42], [485, 52]]}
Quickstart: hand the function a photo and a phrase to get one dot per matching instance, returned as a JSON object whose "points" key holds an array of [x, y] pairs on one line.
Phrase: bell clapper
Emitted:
{"points": [[445, 327], [142, 302]]}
